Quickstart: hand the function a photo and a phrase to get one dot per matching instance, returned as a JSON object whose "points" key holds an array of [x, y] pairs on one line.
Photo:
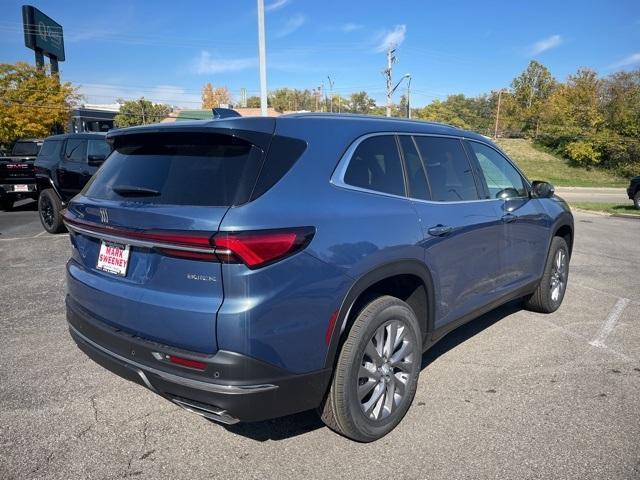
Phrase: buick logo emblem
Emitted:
{"points": [[104, 216]]}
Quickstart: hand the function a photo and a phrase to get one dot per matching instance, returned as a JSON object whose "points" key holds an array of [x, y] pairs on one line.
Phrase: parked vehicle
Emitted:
{"points": [[249, 268], [634, 191], [17, 179], [63, 167]]}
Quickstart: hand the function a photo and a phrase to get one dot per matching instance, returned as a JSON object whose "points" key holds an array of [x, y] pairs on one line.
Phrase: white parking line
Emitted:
{"points": [[37, 235], [609, 323]]}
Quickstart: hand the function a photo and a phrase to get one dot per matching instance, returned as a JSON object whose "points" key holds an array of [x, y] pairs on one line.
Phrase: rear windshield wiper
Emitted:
{"points": [[133, 191]]}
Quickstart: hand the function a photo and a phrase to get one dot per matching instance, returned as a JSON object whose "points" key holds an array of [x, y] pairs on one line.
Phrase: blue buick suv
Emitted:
{"points": [[250, 268]]}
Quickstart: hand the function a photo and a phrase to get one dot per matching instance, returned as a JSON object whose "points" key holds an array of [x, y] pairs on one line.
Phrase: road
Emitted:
{"points": [[598, 195], [511, 395]]}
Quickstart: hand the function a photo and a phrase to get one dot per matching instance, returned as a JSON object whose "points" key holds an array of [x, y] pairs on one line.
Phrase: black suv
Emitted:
{"points": [[64, 165], [633, 190]]}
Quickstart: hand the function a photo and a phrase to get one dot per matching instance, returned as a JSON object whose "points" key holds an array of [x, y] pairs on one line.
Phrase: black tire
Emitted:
{"points": [[6, 203], [545, 299], [343, 409], [636, 200], [49, 211]]}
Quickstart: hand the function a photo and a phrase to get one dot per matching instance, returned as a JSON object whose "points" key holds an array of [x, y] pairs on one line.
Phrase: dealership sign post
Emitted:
{"points": [[44, 36]]}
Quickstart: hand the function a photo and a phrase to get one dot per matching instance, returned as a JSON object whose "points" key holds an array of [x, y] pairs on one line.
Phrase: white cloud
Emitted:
{"points": [[627, 61], [103, 93], [205, 63], [276, 5], [293, 24], [350, 27], [546, 44], [392, 38]]}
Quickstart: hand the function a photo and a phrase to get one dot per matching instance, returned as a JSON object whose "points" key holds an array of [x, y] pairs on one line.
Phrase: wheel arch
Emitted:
{"points": [[409, 280], [45, 183], [565, 231]]}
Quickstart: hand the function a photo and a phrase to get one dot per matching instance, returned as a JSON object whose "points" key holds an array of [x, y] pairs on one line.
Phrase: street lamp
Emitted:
{"points": [[407, 76]]}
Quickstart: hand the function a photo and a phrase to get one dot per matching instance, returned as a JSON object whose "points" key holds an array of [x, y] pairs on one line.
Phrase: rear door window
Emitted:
{"points": [[50, 148], [178, 169], [76, 150], [418, 187], [98, 148], [448, 169], [375, 165]]}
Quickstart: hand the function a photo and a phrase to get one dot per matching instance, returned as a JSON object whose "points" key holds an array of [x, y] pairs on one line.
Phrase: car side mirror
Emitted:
{"points": [[95, 160], [542, 189]]}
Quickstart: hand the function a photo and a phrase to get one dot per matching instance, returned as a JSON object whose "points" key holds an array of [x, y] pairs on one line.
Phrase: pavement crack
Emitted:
{"points": [[95, 408]]}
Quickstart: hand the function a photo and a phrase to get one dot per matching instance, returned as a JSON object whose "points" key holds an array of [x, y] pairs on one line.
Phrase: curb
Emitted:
{"points": [[625, 215]]}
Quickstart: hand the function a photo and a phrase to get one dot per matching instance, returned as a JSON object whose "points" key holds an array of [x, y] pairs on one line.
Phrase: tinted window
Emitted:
{"points": [[283, 153], [375, 165], [184, 169], [418, 187], [503, 180], [27, 149], [76, 150], [50, 148], [98, 148], [448, 169]]}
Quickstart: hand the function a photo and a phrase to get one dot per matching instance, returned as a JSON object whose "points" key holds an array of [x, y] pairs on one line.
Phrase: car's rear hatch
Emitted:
{"points": [[158, 199], [14, 170]]}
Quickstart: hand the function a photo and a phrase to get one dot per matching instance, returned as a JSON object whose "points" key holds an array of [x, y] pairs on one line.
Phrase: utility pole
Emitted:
{"points": [[391, 59], [262, 59], [495, 131], [144, 120], [330, 94], [409, 98]]}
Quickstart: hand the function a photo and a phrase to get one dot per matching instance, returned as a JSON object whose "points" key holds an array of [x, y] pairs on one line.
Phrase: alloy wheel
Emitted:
{"points": [[385, 370], [558, 275]]}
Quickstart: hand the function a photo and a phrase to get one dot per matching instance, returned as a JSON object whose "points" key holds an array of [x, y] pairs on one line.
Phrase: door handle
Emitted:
{"points": [[440, 230], [509, 217]]}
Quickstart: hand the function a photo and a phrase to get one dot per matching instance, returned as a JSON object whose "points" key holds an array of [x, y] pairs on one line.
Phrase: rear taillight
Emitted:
{"points": [[259, 248], [255, 248]]}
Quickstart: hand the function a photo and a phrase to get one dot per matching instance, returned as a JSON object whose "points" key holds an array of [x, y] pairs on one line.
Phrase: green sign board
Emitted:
{"points": [[42, 34]]}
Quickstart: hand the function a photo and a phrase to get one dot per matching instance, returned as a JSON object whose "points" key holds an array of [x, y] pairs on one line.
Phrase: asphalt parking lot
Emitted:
{"points": [[511, 395]]}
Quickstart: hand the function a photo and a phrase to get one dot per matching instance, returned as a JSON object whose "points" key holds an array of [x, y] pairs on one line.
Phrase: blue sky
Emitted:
{"points": [[166, 50]]}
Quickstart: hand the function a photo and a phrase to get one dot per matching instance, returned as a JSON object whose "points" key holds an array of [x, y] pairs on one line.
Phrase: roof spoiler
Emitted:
{"points": [[224, 113]]}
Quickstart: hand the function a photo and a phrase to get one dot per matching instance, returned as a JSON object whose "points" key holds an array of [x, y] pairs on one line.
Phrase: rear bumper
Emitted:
{"points": [[10, 188], [232, 388]]}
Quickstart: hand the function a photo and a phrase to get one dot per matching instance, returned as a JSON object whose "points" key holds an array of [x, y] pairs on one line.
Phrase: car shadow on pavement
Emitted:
{"points": [[469, 330], [301, 423], [25, 206]]}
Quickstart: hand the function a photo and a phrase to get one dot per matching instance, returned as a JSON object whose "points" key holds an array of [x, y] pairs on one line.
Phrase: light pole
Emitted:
{"points": [[495, 131], [406, 75], [262, 59]]}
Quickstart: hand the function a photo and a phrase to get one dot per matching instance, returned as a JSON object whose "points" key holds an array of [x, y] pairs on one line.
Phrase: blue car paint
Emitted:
{"points": [[280, 313]]}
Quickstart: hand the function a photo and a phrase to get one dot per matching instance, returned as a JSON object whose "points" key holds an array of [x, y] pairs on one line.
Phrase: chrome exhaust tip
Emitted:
{"points": [[207, 411]]}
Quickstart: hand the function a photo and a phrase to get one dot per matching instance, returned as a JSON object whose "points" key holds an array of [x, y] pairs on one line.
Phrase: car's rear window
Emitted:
{"points": [[29, 149], [178, 169]]}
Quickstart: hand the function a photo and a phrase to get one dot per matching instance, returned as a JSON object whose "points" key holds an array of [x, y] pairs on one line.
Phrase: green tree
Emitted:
{"points": [[621, 96], [253, 102], [530, 90], [32, 103], [361, 102], [458, 110], [140, 112]]}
